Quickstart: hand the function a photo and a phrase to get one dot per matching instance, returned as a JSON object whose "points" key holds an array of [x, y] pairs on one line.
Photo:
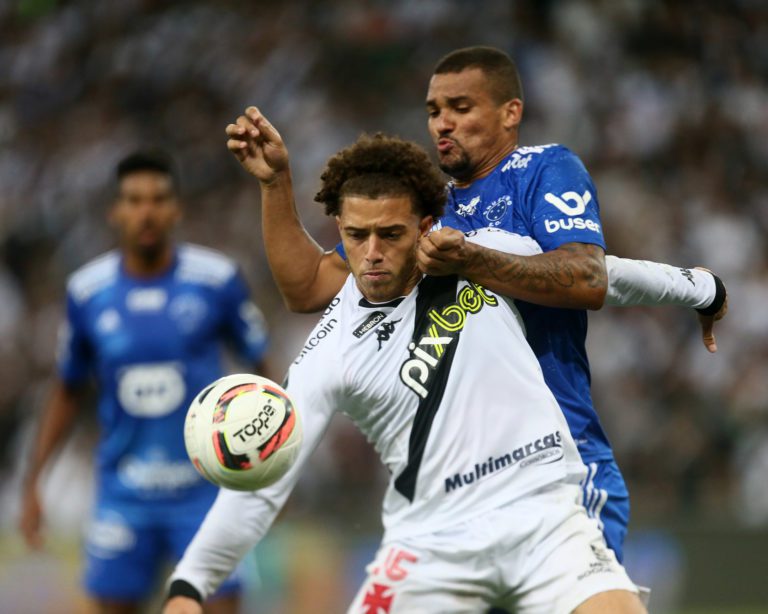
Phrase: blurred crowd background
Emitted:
{"points": [[665, 101]]}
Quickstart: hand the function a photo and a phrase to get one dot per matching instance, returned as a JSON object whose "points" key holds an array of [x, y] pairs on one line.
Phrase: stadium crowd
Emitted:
{"points": [[665, 101]]}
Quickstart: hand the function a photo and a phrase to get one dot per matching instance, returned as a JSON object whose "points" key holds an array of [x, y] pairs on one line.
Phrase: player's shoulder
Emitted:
{"points": [[94, 276], [321, 347], [529, 158], [204, 265], [504, 241]]}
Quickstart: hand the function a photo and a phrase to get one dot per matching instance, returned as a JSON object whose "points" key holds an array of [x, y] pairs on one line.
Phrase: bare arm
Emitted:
{"points": [[55, 425], [307, 276], [572, 276]]}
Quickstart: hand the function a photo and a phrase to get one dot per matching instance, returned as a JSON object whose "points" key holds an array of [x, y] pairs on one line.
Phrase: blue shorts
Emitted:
{"points": [[606, 499], [128, 553]]}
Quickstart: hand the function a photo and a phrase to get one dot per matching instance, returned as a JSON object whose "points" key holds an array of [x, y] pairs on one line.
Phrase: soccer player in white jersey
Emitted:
{"points": [[482, 506], [147, 322], [474, 107]]}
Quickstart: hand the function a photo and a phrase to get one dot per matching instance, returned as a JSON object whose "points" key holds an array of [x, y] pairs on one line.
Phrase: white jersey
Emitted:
{"points": [[444, 385]]}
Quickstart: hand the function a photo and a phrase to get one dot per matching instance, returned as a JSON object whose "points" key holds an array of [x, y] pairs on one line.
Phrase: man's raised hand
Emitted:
{"points": [[257, 146]]}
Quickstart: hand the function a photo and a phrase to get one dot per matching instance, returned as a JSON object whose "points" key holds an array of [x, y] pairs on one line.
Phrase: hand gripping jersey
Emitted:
{"points": [[445, 386], [152, 344], [545, 193]]}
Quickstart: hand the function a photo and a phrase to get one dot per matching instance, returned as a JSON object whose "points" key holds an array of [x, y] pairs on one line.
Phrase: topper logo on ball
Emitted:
{"points": [[258, 424]]}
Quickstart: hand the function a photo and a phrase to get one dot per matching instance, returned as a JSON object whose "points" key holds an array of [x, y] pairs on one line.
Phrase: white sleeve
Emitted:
{"points": [[641, 282], [504, 241], [238, 520]]}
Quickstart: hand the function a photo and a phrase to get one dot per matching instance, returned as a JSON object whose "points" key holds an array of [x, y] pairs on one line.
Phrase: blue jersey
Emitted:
{"points": [[152, 344], [545, 193]]}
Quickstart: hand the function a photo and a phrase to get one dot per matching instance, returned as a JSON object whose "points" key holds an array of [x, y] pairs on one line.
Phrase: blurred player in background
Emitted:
{"points": [[483, 505], [474, 107], [147, 322]]}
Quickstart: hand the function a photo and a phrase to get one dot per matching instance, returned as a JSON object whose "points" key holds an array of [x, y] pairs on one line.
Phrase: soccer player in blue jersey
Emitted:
{"points": [[475, 107], [147, 322]]}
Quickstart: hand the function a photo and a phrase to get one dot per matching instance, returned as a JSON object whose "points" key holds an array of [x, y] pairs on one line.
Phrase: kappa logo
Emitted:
{"points": [[579, 202], [384, 332], [466, 210], [446, 325], [688, 275]]}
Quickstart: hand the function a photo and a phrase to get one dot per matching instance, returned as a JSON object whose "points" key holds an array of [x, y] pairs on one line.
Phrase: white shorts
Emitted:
{"points": [[538, 555]]}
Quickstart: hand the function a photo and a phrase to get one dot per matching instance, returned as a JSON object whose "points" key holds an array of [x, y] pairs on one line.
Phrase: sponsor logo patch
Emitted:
{"points": [[468, 209], [542, 451], [321, 333], [446, 324], [146, 299], [574, 223], [371, 321], [325, 326], [570, 203]]}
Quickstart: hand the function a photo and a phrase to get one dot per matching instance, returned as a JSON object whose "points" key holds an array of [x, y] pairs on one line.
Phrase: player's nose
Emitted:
{"points": [[373, 249]]}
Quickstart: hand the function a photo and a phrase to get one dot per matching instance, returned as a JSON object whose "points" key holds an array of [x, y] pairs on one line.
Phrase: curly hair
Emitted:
{"points": [[382, 165]]}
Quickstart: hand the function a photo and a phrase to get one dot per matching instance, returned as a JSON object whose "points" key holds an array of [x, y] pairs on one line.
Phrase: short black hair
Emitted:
{"points": [[500, 69], [153, 160], [381, 165]]}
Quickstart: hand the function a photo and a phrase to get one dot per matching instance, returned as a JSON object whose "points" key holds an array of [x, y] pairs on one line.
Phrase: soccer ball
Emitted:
{"points": [[242, 432]]}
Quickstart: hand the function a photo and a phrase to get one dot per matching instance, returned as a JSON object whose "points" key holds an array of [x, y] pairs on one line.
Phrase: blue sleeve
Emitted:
{"points": [[244, 323], [74, 353], [561, 203], [340, 250]]}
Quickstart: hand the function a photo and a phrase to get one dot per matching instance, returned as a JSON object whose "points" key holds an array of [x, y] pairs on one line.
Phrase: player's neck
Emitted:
{"points": [[381, 299], [148, 264], [486, 167]]}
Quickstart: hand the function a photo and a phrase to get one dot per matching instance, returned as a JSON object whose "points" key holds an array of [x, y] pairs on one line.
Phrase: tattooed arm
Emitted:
{"points": [[572, 276]]}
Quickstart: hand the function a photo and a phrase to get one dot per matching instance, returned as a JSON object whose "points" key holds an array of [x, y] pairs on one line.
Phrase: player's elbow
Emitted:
{"points": [[594, 297]]}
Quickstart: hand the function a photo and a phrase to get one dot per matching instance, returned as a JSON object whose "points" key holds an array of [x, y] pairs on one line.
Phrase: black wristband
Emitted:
{"points": [[182, 588], [718, 301]]}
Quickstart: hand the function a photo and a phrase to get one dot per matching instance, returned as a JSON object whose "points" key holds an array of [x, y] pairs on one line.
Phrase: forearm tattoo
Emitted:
{"points": [[568, 267]]}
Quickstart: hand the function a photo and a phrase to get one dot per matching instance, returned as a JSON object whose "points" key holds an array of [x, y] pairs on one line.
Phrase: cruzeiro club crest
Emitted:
{"points": [[496, 210]]}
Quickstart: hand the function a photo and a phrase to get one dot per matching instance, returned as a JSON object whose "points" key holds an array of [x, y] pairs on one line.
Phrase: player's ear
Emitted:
{"points": [[426, 224], [512, 111]]}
